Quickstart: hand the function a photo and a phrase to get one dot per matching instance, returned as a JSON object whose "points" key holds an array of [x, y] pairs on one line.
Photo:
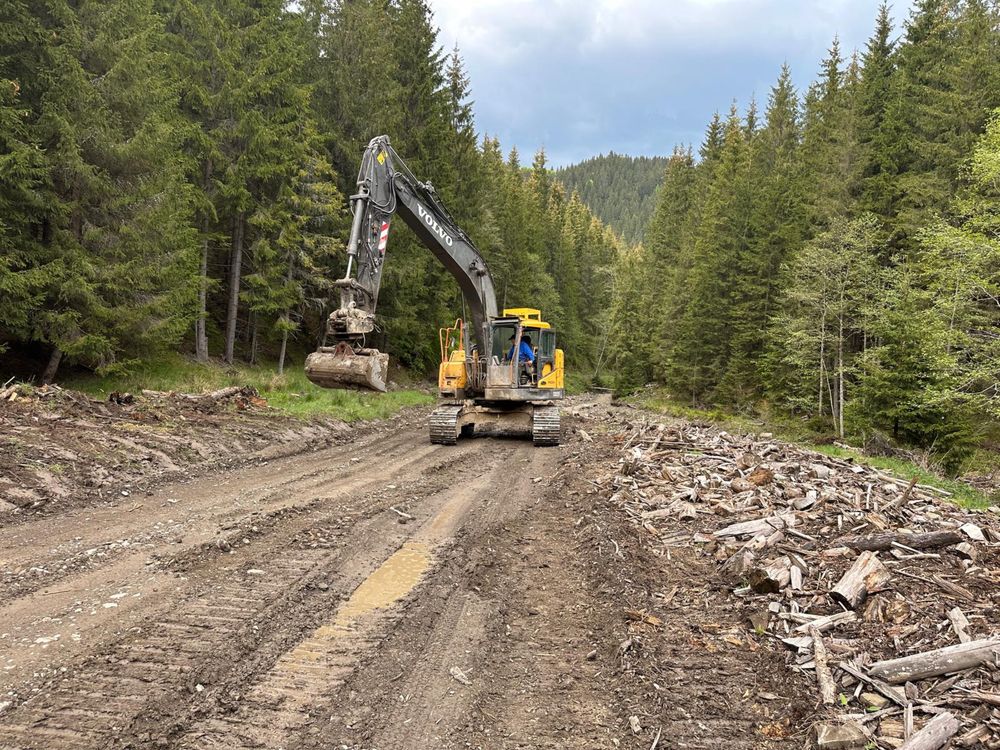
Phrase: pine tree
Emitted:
{"points": [[667, 239], [22, 176], [250, 110], [876, 136], [830, 149], [776, 229]]}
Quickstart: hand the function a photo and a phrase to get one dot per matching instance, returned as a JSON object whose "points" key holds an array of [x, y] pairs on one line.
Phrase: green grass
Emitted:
{"points": [[799, 432], [290, 393]]}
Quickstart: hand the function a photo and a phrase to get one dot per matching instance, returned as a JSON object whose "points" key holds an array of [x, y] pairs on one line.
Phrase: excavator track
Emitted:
{"points": [[444, 424], [545, 425]]}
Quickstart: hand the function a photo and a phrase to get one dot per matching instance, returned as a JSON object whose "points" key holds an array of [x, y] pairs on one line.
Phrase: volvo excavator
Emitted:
{"points": [[486, 377]]}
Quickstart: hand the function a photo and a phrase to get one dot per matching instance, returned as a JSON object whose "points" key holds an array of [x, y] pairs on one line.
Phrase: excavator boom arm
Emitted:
{"points": [[387, 187]]}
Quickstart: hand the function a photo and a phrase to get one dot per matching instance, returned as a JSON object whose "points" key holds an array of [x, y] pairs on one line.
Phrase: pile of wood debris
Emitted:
{"points": [[242, 397], [60, 447], [883, 590]]}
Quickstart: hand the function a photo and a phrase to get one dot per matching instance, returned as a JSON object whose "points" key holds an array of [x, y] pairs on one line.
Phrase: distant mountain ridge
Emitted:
{"points": [[619, 189]]}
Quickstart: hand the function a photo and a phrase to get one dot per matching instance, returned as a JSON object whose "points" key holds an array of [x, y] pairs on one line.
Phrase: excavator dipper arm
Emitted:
{"points": [[386, 187]]}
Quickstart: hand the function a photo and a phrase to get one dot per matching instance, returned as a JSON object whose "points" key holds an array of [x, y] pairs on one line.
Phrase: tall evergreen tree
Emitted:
{"points": [[110, 256]]}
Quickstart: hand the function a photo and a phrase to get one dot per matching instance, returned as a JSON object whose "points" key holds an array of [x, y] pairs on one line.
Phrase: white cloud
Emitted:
{"points": [[504, 30], [584, 76]]}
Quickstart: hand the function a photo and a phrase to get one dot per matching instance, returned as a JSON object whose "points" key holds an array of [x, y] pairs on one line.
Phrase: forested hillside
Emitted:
{"points": [[620, 190], [836, 253], [173, 177]]}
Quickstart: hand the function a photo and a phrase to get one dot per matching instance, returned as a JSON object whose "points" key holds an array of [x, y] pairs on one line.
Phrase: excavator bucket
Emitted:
{"points": [[343, 367]]}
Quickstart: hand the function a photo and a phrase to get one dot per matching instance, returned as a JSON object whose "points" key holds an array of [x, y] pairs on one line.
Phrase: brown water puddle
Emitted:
{"points": [[392, 581]]}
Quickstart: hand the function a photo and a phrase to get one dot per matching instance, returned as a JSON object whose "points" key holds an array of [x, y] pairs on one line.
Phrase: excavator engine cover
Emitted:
{"points": [[343, 367]]}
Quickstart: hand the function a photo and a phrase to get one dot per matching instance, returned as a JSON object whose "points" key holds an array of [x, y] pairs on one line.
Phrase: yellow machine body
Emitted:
{"points": [[495, 389], [452, 376]]}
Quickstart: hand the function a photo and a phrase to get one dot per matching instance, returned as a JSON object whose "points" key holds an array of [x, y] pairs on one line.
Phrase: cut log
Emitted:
{"points": [[953, 588], [847, 735], [771, 577], [881, 542], [866, 576], [757, 526], [940, 661], [974, 736], [827, 687], [934, 735], [896, 695]]}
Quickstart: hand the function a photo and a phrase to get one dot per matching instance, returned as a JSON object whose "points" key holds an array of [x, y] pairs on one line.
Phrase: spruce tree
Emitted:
{"points": [[702, 347], [113, 253]]}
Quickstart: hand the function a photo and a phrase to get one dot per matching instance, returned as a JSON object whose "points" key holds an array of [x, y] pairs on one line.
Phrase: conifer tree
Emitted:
{"points": [[876, 134], [702, 347], [777, 226], [22, 178], [113, 250]]}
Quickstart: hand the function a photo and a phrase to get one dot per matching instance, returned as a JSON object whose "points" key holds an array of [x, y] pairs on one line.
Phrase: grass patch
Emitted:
{"points": [[290, 393], [798, 432]]}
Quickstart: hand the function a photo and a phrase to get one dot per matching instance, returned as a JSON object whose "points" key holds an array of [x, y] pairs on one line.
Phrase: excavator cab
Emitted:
{"points": [[508, 377]]}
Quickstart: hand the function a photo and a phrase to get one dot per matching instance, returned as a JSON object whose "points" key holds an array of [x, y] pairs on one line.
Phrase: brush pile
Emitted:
{"points": [[882, 590]]}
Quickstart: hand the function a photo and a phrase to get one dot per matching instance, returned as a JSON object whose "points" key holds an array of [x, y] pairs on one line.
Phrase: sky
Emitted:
{"points": [[584, 77]]}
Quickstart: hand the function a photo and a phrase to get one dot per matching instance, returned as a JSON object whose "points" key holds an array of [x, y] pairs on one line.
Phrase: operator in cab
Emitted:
{"points": [[525, 353]]}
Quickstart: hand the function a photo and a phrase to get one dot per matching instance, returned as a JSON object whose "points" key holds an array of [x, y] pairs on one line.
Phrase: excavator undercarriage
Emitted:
{"points": [[540, 419]]}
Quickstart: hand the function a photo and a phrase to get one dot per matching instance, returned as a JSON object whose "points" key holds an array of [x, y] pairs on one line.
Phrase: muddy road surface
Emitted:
{"points": [[381, 593]]}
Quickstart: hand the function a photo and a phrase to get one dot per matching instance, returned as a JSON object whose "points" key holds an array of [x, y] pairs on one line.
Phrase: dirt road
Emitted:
{"points": [[383, 593]]}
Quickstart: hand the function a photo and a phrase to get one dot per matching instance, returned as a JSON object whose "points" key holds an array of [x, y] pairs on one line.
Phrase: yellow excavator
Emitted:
{"points": [[504, 371]]}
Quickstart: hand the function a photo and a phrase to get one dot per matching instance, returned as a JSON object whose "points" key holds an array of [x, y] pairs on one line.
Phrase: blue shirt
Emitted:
{"points": [[526, 354]]}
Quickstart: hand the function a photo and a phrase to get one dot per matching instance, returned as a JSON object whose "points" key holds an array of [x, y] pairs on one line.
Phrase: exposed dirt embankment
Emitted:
{"points": [[61, 448]]}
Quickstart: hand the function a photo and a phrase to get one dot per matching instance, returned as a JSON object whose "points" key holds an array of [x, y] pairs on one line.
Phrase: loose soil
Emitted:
{"points": [[371, 591]]}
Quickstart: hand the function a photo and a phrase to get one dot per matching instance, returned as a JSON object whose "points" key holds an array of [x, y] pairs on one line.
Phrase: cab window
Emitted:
{"points": [[501, 341], [547, 349]]}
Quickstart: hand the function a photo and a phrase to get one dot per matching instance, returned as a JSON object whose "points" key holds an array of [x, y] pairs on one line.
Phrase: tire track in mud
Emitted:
{"points": [[78, 610], [68, 551], [149, 677], [305, 680]]}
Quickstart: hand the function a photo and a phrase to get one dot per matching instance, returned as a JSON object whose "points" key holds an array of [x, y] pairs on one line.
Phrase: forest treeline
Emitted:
{"points": [[836, 254], [619, 189], [174, 173]]}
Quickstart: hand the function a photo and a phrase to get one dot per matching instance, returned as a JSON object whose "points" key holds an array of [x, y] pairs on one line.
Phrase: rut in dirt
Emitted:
{"points": [[467, 596]]}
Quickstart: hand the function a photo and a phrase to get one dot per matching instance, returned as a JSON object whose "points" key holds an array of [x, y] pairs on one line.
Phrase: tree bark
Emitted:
{"points": [[287, 317], [822, 359], [867, 575], [934, 735], [840, 370], [253, 338], [937, 662], [52, 367], [281, 353], [235, 270], [827, 687], [200, 332], [879, 542]]}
